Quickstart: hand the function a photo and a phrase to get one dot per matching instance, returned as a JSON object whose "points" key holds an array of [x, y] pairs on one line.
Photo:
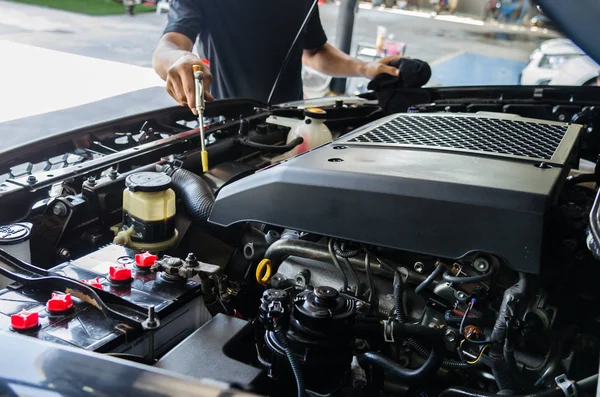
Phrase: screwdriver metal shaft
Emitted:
{"points": [[200, 106]]}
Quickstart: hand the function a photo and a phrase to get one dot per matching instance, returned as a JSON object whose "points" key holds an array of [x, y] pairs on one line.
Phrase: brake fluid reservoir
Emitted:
{"points": [[149, 211], [312, 129]]}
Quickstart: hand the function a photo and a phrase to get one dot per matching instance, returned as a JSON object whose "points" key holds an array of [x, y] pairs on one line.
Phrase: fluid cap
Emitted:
{"points": [[315, 113], [145, 260], [326, 296], [148, 182], [15, 233], [24, 320], [119, 274], [94, 282], [59, 303]]}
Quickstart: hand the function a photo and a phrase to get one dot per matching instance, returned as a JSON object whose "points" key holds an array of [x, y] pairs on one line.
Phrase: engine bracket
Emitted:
{"points": [[566, 385]]}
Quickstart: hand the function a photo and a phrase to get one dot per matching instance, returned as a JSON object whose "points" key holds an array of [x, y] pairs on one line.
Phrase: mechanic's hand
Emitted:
{"points": [[180, 81], [374, 69]]}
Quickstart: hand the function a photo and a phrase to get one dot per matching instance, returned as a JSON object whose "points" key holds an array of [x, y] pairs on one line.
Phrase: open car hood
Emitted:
{"points": [[578, 20]]}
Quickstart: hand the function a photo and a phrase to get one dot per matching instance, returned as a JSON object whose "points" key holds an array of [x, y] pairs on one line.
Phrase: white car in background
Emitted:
{"points": [[559, 62]]}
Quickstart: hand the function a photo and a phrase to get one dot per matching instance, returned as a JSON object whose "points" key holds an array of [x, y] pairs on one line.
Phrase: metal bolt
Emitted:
{"points": [[151, 321], [113, 174], [450, 335], [64, 253], [3, 188], [303, 277], [461, 296], [561, 117], [481, 264], [191, 260], [31, 179], [91, 181], [60, 209], [419, 267], [360, 344]]}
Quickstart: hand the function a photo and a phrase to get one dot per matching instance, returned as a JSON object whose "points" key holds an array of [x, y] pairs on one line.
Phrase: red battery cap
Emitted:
{"points": [[94, 282], [145, 260], [59, 303], [24, 320], [119, 273]]}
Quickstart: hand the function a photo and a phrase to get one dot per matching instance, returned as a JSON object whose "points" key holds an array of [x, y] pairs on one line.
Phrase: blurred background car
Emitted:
{"points": [[559, 62]]}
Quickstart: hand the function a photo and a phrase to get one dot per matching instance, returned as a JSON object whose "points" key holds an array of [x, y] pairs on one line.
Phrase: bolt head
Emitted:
{"points": [[31, 179], [419, 267], [64, 253], [481, 264], [450, 335], [59, 209]]}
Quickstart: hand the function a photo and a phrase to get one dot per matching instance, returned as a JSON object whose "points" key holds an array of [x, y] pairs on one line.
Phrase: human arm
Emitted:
{"points": [[173, 59], [331, 61]]}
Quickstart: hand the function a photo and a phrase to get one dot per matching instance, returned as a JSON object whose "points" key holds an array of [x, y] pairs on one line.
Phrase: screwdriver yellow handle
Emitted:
{"points": [[204, 155]]}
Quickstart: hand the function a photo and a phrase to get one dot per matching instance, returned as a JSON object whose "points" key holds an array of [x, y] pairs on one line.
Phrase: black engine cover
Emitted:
{"points": [[437, 184]]}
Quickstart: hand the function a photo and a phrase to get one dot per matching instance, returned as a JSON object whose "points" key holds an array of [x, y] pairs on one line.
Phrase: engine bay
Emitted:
{"points": [[451, 250]]}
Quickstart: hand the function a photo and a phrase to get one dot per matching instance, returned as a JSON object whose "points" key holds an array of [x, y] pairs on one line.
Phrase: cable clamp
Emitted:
{"points": [[388, 331], [566, 385]]}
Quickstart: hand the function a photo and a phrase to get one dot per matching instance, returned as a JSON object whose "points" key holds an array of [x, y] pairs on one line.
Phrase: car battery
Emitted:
{"points": [[65, 319]]}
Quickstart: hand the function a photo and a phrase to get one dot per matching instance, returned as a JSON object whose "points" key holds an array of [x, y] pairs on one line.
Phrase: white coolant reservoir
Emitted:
{"points": [[312, 129]]}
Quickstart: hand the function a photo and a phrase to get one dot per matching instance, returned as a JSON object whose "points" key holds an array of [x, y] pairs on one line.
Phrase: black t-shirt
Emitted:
{"points": [[246, 42]]}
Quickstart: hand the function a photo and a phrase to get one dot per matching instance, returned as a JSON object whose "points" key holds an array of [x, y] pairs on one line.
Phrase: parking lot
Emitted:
{"points": [[461, 49]]}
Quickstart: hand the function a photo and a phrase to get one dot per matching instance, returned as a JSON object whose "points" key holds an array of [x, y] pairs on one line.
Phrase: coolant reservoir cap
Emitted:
{"points": [[315, 113], [15, 233], [148, 182]]}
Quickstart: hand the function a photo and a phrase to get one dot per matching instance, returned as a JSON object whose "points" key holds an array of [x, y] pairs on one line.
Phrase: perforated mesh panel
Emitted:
{"points": [[508, 137]]}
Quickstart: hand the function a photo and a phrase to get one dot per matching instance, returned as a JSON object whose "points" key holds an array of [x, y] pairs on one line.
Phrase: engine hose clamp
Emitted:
{"points": [[567, 387], [264, 271], [388, 331]]}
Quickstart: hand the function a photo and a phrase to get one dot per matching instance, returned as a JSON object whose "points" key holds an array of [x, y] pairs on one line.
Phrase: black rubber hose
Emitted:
{"points": [[581, 178], [369, 278], [429, 367], [398, 307], [294, 365], [341, 252], [195, 193], [511, 362], [354, 275], [512, 294], [468, 279], [373, 327], [448, 363], [427, 282], [417, 346], [583, 385], [271, 148], [336, 263], [501, 369]]}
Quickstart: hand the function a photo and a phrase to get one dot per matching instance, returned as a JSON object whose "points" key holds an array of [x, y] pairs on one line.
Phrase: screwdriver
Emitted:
{"points": [[199, 79]]}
